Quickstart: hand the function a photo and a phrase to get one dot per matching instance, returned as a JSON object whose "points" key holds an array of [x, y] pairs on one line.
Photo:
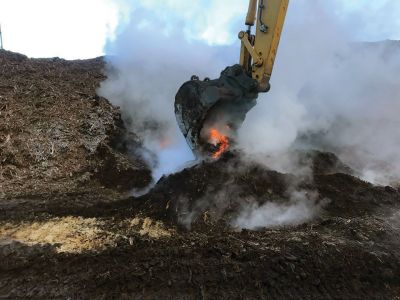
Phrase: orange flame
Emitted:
{"points": [[164, 142], [220, 140]]}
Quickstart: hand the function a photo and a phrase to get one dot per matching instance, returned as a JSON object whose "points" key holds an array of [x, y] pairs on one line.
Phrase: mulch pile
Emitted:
{"points": [[63, 162], [56, 134]]}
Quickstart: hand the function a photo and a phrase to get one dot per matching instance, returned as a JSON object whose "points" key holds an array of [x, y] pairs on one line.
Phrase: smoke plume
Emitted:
{"points": [[330, 90], [302, 207], [332, 93], [154, 53]]}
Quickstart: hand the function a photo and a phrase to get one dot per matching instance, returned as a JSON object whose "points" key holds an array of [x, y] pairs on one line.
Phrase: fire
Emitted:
{"points": [[164, 142], [220, 140]]}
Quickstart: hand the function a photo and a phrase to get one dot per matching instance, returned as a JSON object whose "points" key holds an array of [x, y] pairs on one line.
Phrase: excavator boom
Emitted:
{"points": [[210, 112]]}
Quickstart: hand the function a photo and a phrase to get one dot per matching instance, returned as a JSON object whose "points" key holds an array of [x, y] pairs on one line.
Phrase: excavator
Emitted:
{"points": [[210, 112]]}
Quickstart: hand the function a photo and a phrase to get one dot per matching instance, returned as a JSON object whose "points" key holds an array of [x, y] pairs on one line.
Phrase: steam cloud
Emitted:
{"points": [[153, 54], [301, 208], [331, 93], [328, 91]]}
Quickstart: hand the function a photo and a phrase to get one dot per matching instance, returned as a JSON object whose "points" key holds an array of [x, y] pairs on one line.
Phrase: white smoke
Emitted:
{"points": [[302, 207], [321, 83], [331, 93], [153, 54], [327, 91]]}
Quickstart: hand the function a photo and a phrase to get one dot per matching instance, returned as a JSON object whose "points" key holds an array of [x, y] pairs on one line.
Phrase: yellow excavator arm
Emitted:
{"points": [[258, 52], [210, 112]]}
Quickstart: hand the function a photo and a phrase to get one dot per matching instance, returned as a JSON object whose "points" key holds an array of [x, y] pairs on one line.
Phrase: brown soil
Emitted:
{"points": [[68, 231]]}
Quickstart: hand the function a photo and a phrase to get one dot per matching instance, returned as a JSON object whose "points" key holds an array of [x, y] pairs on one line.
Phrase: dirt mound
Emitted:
{"points": [[222, 190], [56, 134]]}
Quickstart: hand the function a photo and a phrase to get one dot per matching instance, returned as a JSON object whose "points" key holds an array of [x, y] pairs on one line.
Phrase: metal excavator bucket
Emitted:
{"points": [[210, 112]]}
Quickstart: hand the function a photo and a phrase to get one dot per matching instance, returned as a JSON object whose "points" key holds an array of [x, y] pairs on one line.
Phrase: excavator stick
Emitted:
{"points": [[262, 48]]}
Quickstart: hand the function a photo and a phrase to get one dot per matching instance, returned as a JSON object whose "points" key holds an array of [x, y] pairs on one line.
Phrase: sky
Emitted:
{"points": [[80, 29], [48, 28]]}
